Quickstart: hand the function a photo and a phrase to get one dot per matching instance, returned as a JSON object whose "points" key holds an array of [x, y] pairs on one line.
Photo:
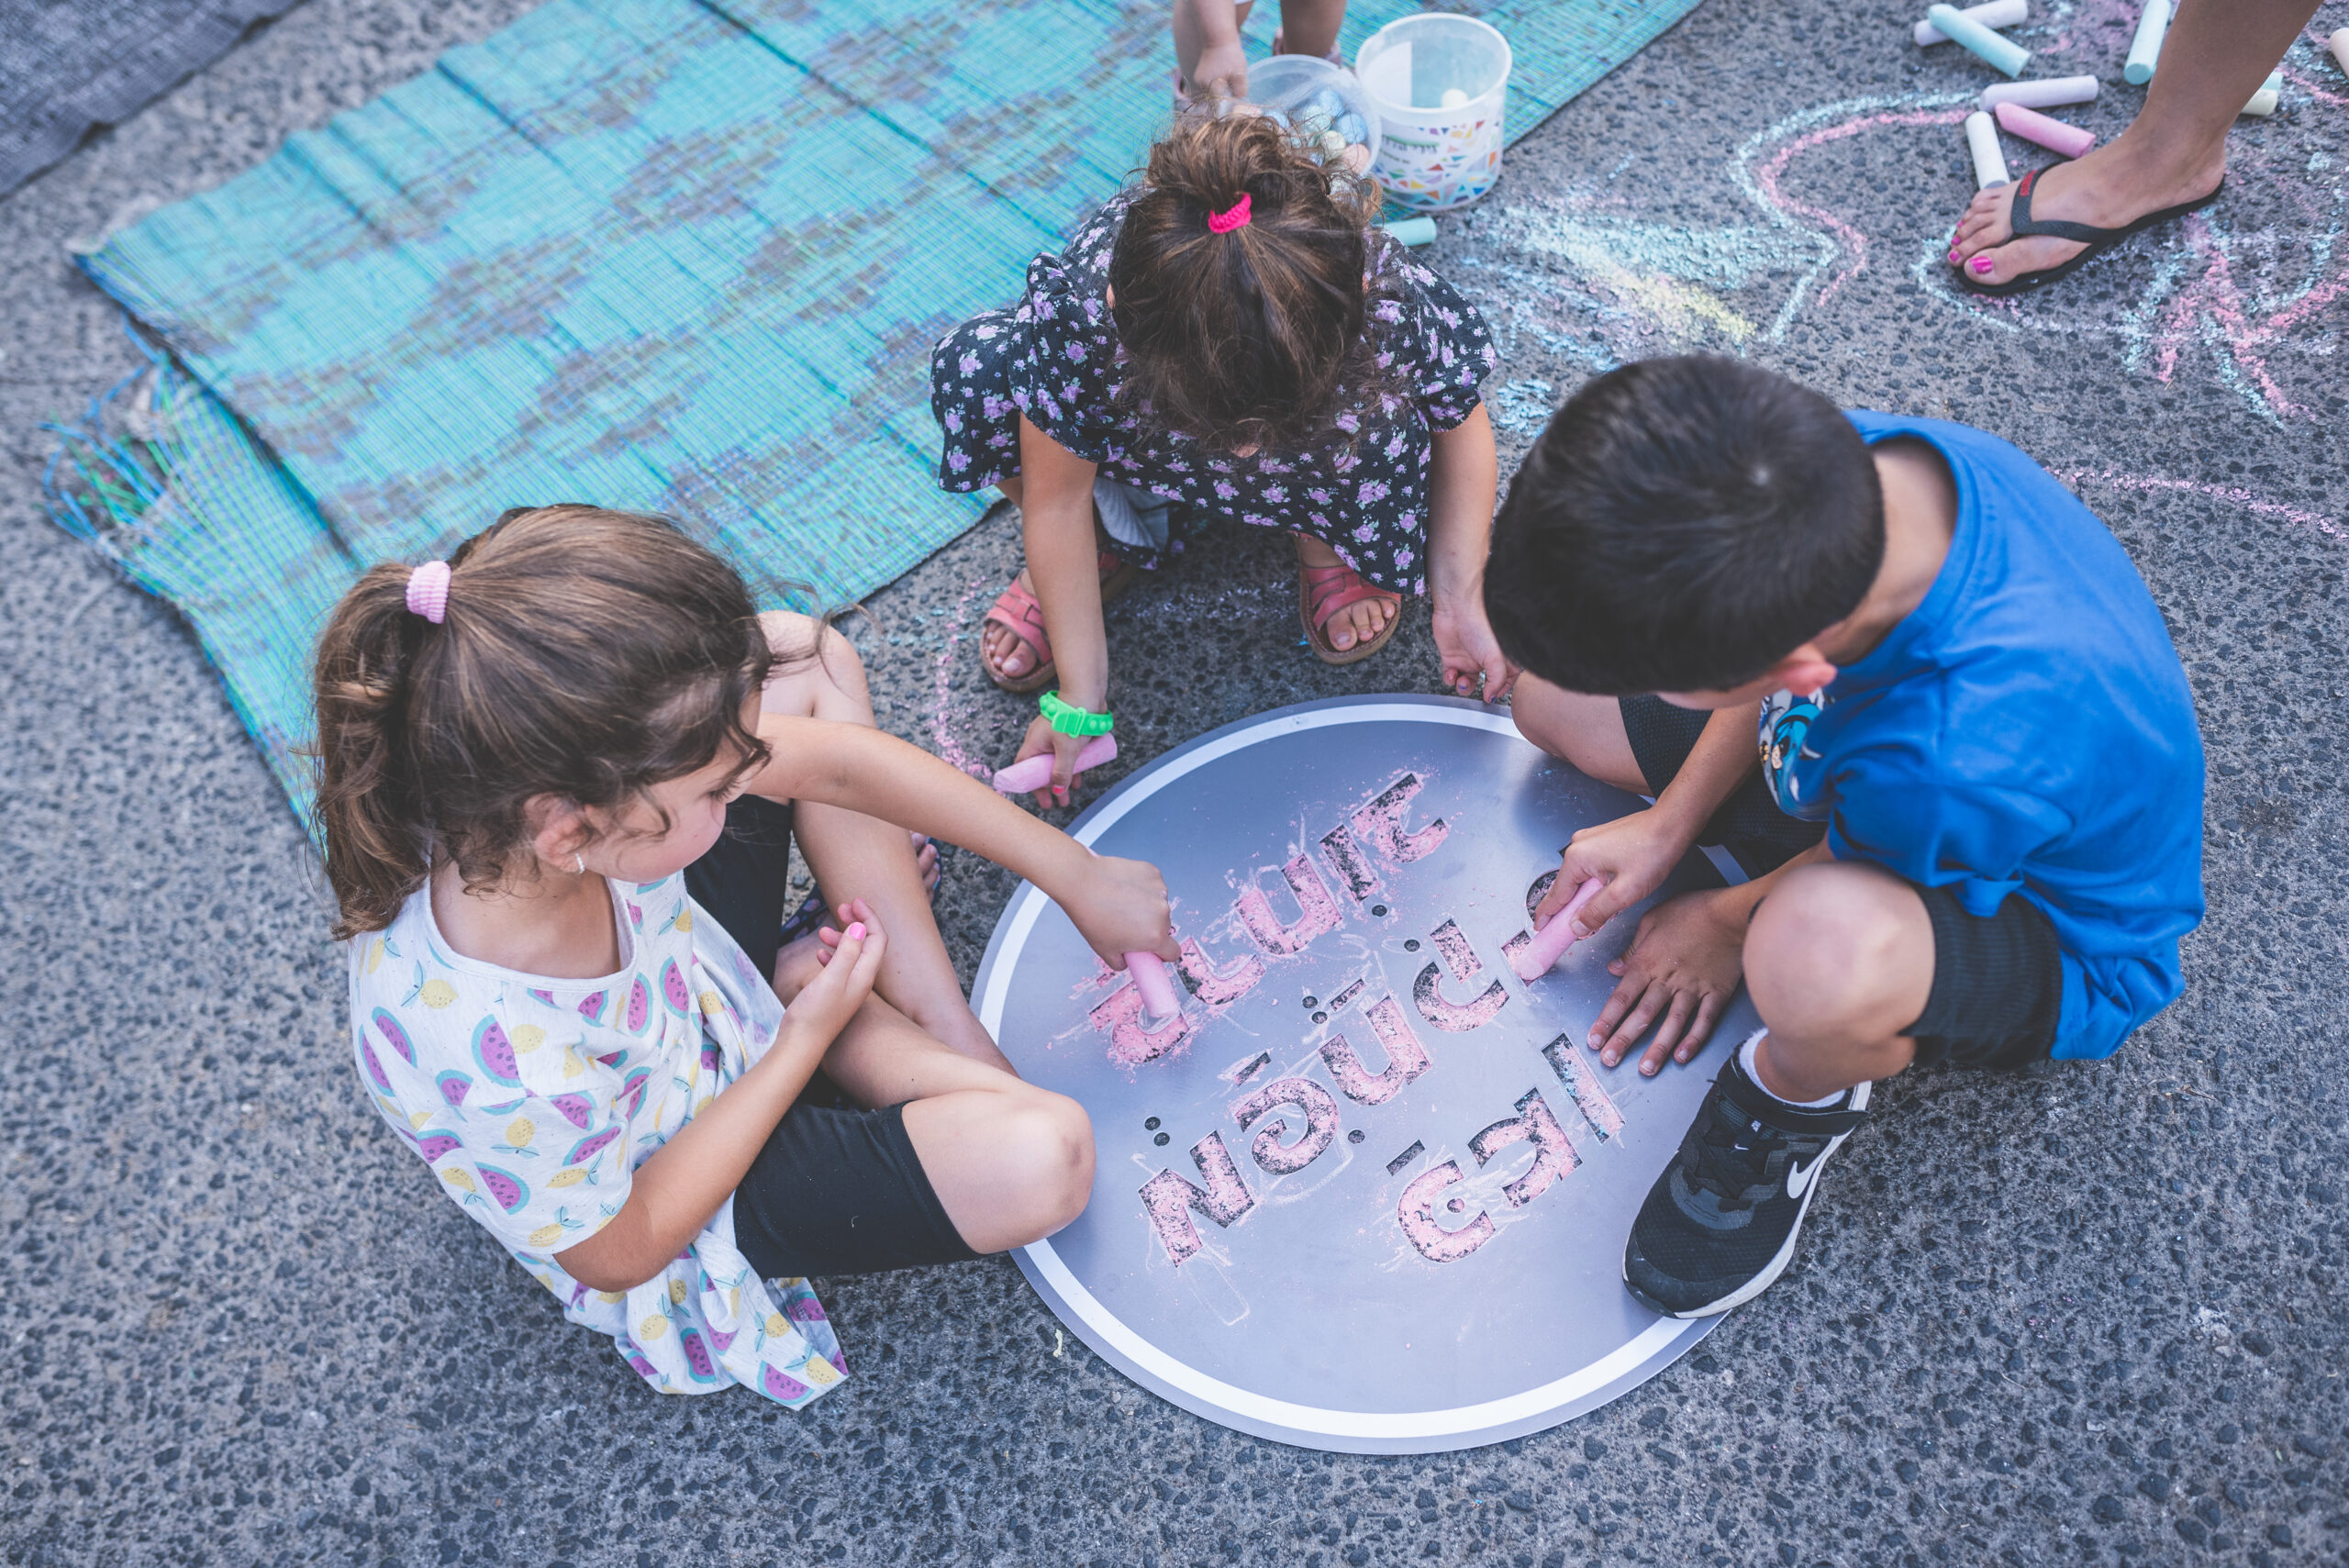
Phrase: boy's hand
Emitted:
{"points": [[1631, 855], [1119, 906], [1684, 966], [1464, 640]]}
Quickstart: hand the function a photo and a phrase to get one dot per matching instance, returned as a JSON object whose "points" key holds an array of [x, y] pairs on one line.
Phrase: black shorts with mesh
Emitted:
{"points": [[1997, 979]]}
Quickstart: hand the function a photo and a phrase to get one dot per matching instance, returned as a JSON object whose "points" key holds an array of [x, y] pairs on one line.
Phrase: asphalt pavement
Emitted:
{"points": [[2087, 1315]]}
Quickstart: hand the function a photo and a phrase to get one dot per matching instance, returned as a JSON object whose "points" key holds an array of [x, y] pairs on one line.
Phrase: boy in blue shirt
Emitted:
{"points": [[1975, 820]]}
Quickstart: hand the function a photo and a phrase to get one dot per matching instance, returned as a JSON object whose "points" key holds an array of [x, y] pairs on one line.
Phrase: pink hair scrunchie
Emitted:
{"points": [[1225, 222], [428, 591]]}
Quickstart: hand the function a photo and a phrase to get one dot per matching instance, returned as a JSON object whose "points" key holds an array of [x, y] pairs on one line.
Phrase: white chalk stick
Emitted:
{"points": [[1021, 778], [2051, 92], [1158, 998], [2003, 55], [2052, 134], [1981, 141], [2339, 44], [1550, 943], [1990, 14], [2262, 103], [2146, 48]]}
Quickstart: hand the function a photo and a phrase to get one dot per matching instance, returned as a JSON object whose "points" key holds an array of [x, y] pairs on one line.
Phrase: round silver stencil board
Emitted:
{"points": [[1368, 1192]]}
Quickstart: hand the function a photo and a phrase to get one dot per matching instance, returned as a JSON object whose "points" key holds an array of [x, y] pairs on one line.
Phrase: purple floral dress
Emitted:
{"points": [[1056, 358]]}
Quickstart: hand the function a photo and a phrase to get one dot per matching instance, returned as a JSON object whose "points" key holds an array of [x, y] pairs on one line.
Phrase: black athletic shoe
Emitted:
{"points": [[1719, 1224]]}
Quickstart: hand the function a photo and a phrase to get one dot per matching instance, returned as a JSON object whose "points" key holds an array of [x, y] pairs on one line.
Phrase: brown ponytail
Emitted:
{"points": [[584, 655], [1256, 338]]}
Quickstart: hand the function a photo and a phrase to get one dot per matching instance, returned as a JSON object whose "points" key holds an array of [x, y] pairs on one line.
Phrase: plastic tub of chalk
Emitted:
{"points": [[1440, 82], [1321, 103]]}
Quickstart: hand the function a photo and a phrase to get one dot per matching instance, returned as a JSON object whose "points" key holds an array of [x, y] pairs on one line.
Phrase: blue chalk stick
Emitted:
{"points": [[2000, 53]]}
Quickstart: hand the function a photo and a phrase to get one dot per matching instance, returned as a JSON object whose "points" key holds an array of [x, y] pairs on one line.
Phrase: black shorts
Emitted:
{"points": [[1997, 979], [837, 1189]]}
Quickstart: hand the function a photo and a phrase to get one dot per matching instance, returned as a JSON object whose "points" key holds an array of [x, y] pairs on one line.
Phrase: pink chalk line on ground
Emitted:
{"points": [[2147, 484], [2247, 335], [1761, 176], [941, 732]]}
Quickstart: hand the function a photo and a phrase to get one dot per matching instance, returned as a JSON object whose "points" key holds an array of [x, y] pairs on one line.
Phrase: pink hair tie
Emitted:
{"points": [[1225, 222], [428, 591]]}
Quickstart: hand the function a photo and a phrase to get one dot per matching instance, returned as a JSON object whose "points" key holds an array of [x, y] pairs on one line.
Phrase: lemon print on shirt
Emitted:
{"points": [[546, 1233], [436, 993], [571, 1066], [777, 1325], [611, 1297], [677, 1292], [526, 1038], [375, 955], [653, 1328], [458, 1179], [685, 919], [819, 1371]]}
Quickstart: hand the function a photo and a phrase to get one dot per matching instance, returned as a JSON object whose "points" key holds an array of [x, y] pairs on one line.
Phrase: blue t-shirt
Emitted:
{"points": [[2027, 728]]}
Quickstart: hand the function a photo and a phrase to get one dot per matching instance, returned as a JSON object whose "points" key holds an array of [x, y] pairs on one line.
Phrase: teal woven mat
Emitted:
{"points": [[649, 253]]}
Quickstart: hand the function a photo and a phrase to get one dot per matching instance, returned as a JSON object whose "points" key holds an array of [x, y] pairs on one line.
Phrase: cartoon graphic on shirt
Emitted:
{"points": [[1785, 722], [563, 1104]]}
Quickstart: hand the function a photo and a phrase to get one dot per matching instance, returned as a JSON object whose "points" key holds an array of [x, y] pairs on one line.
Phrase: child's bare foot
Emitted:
{"points": [[1012, 645], [1357, 623], [2110, 187]]}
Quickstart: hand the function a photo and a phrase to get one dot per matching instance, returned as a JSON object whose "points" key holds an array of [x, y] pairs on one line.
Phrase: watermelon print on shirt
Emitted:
{"points": [[534, 1100]]}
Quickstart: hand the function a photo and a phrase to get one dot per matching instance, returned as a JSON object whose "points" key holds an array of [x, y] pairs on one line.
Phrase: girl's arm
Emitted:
{"points": [[1120, 906], [674, 1194], [1056, 523], [1463, 476]]}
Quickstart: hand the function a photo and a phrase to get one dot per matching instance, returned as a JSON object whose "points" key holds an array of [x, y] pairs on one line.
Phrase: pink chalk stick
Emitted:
{"points": [[2070, 140], [1023, 778], [1157, 988], [1551, 942]]}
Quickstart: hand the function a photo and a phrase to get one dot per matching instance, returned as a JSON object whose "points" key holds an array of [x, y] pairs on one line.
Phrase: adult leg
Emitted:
{"points": [[1310, 26], [2216, 55], [1575, 728]]}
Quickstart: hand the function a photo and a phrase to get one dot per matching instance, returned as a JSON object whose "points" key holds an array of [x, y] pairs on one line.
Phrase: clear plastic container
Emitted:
{"points": [[1315, 98], [1440, 83]]}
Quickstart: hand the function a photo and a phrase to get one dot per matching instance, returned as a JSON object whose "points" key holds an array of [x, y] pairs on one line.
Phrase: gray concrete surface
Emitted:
{"points": [[2089, 1316]]}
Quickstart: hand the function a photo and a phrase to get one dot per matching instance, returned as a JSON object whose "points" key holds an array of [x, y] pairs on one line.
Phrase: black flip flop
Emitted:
{"points": [[2097, 238]]}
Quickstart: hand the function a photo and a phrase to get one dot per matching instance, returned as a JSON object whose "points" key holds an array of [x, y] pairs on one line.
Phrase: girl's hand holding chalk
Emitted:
{"points": [[1063, 758], [1035, 773], [1550, 943], [1159, 999], [1120, 908]]}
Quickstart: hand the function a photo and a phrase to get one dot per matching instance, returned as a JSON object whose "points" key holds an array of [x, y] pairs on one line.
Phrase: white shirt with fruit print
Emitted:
{"points": [[534, 1100]]}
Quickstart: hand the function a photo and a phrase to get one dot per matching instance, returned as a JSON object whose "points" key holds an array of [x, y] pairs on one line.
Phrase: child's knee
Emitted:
{"points": [[1835, 942], [1053, 1140]]}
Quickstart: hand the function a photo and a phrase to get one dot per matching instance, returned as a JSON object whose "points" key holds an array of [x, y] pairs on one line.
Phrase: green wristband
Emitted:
{"points": [[1070, 719]]}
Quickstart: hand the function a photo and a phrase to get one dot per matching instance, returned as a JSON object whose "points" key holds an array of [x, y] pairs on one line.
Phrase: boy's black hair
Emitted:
{"points": [[1681, 526]]}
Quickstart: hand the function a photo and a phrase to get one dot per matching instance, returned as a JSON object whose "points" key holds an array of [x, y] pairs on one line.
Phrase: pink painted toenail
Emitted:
{"points": [[1953, 256], [1983, 266]]}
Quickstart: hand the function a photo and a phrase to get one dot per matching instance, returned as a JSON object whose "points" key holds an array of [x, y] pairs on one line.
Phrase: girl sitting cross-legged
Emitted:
{"points": [[561, 773], [1233, 338]]}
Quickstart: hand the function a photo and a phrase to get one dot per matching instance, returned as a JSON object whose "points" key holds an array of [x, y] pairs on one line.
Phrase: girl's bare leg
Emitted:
{"points": [[856, 856], [1012, 1163], [1310, 26], [2216, 55]]}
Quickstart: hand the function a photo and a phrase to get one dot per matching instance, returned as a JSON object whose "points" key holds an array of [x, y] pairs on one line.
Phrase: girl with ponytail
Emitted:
{"points": [[1231, 339], [560, 775]]}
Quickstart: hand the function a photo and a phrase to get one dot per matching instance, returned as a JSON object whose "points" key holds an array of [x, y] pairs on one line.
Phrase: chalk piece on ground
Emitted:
{"points": [[1453, 99], [1158, 998], [1550, 943], [1023, 778], [1990, 14], [2262, 103], [2146, 48], [1999, 54], [2052, 134], [1981, 141], [2051, 93], [2339, 44], [1412, 230]]}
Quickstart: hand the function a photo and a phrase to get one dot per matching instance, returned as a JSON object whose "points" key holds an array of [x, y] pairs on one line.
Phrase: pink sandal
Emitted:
{"points": [[1322, 591], [1018, 612]]}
